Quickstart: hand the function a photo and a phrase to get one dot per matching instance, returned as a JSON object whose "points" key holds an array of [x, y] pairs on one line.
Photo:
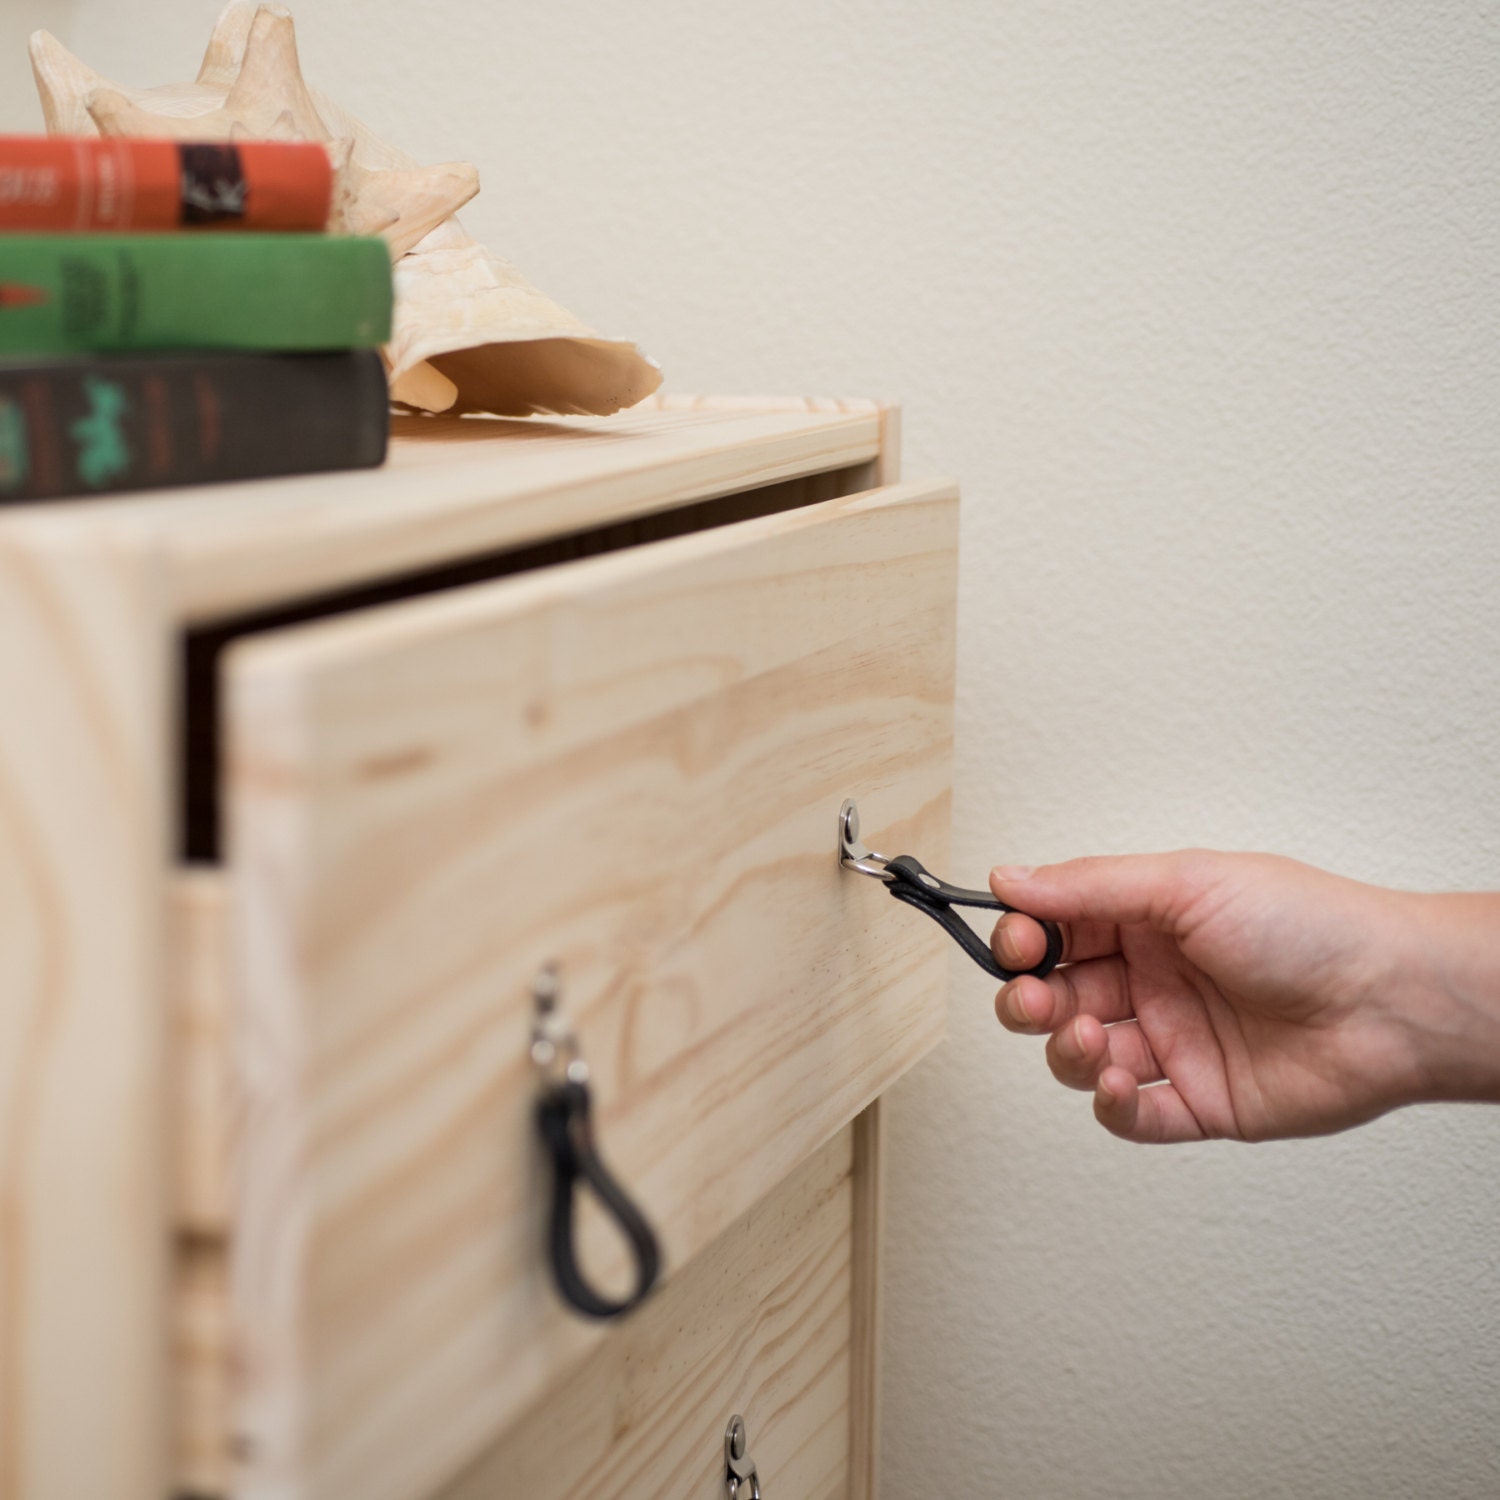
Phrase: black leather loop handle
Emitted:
{"points": [[916, 886], [563, 1118]]}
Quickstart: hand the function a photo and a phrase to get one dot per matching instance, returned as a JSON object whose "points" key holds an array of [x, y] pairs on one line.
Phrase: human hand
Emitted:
{"points": [[1247, 996]]}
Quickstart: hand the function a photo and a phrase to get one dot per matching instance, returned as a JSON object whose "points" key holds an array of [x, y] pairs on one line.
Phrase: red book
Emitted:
{"points": [[63, 183]]}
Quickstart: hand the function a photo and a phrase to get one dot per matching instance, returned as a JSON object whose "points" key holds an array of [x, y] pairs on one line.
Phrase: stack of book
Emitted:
{"points": [[174, 313]]}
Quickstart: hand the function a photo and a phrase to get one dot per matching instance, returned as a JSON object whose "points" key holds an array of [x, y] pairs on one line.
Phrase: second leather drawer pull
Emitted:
{"points": [[564, 1122], [908, 881]]}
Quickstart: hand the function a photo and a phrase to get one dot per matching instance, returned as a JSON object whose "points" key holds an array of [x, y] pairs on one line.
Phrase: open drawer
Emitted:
{"points": [[630, 766]]}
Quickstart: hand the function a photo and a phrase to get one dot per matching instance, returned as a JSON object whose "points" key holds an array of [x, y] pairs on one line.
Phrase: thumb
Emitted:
{"points": [[1115, 888]]}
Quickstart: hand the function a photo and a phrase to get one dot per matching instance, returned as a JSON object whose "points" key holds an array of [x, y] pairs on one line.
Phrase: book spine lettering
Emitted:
{"points": [[72, 184]]}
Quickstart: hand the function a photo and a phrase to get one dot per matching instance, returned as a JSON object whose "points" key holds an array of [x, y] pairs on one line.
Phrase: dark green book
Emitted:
{"points": [[102, 293], [96, 424]]}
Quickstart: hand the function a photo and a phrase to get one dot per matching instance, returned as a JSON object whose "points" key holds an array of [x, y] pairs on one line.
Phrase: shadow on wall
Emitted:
{"points": [[19, 110]]}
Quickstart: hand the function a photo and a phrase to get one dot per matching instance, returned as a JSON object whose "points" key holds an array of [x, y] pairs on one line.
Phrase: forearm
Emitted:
{"points": [[1450, 1003]]}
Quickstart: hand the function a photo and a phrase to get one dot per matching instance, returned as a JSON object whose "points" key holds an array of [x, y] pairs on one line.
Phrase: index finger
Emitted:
{"points": [[1153, 888], [1019, 942]]}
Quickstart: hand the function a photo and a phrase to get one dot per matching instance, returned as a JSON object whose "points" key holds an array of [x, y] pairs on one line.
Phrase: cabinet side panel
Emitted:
{"points": [[82, 1189]]}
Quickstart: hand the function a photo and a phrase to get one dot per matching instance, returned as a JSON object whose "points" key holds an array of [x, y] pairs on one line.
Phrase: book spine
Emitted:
{"points": [[63, 184], [98, 426], [116, 293]]}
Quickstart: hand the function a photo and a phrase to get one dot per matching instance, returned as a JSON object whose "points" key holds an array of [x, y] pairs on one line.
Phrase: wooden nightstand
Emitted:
{"points": [[302, 783]]}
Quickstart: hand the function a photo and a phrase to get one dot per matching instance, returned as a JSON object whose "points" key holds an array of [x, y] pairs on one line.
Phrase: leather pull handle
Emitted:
{"points": [[909, 881], [563, 1119]]}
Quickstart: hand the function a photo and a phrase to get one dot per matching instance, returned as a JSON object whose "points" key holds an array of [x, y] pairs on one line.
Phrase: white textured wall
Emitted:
{"points": [[1202, 303]]}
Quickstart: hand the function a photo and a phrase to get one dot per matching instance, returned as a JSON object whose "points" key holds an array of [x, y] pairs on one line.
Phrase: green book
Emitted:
{"points": [[99, 293]]}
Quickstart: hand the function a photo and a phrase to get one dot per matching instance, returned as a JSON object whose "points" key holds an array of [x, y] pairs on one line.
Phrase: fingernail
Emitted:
{"points": [[1005, 940], [1015, 1003], [1107, 1094], [1012, 872], [1070, 1044]]}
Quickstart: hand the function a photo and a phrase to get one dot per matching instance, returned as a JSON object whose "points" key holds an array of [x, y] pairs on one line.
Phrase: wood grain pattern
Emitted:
{"points": [[90, 596], [632, 764], [884, 465], [758, 1324], [455, 487], [83, 837]]}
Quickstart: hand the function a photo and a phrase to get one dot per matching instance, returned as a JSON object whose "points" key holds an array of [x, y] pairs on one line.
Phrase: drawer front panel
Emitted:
{"points": [[758, 1325], [631, 766]]}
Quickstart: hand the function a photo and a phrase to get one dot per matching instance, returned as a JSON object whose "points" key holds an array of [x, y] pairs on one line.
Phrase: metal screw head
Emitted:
{"points": [[734, 1440], [741, 1482], [852, 854], [849, 818]]}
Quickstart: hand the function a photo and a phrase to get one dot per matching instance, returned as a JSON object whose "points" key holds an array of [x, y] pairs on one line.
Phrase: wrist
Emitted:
{"points": [[1448, 1000]]}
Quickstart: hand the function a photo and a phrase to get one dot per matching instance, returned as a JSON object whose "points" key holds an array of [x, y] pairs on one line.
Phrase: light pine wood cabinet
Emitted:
{"points": [[302, 784]]}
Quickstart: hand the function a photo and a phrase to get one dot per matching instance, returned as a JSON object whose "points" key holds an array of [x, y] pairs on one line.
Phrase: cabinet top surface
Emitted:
{"points": [[449, 488]]}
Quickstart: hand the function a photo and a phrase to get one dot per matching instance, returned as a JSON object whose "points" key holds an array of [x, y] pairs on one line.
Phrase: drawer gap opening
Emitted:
{"points": [[199, 835]]}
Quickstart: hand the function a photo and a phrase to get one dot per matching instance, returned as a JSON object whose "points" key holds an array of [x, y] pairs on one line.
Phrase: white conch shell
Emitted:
{"points": [[470, 333]]}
